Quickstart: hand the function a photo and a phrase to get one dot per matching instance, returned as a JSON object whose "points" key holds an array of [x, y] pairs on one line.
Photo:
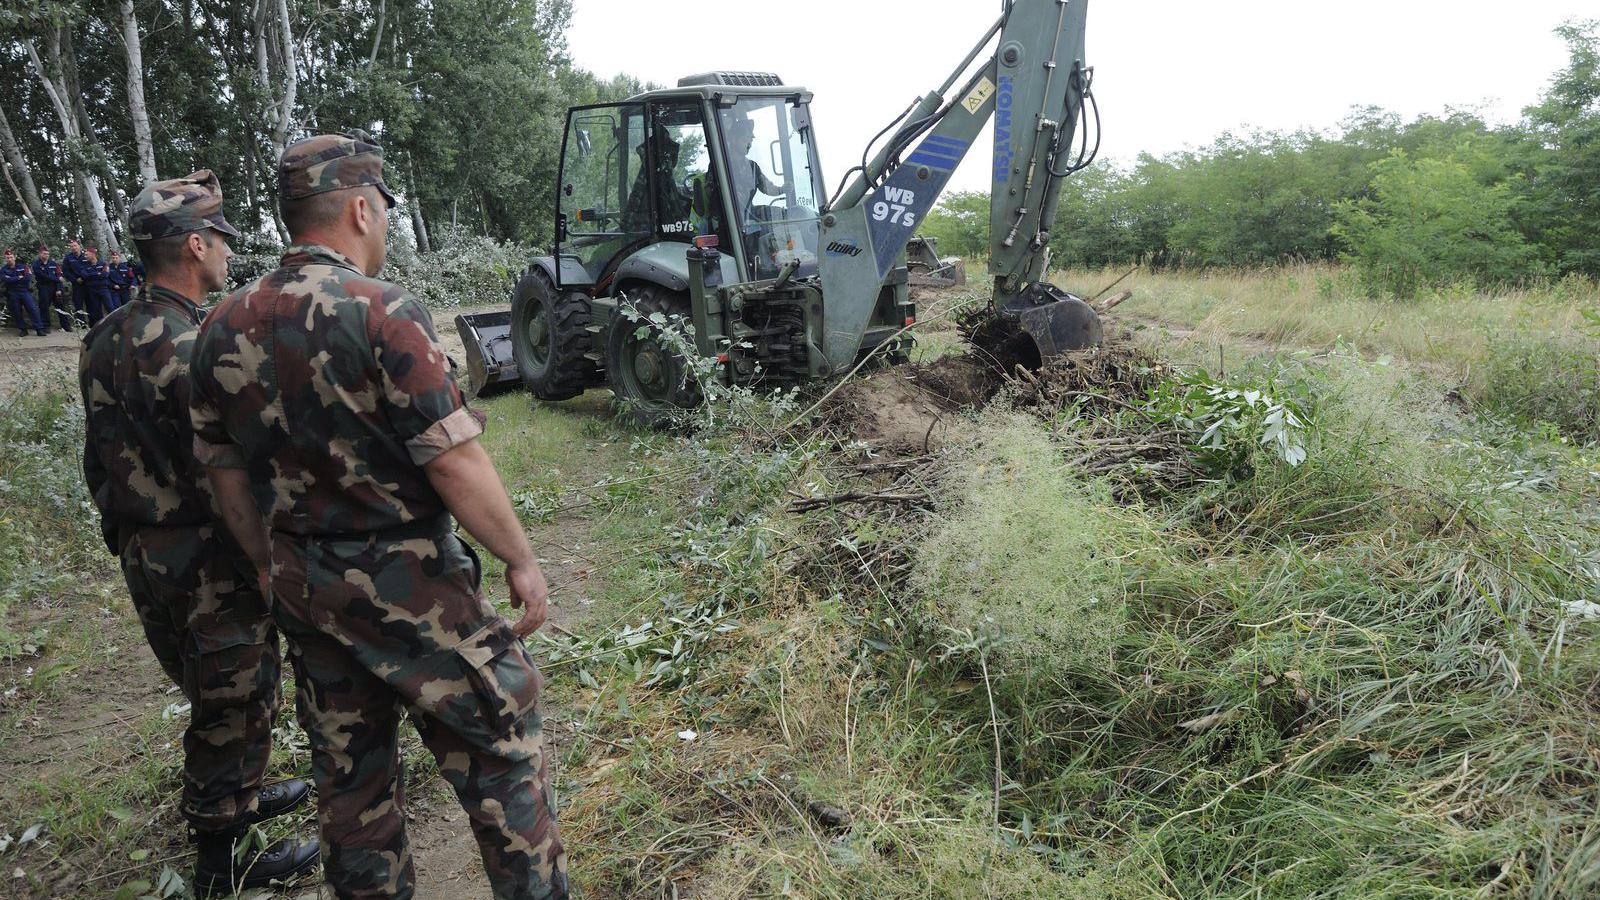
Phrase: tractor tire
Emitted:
{"points": [[650, 379], [550, 338]]}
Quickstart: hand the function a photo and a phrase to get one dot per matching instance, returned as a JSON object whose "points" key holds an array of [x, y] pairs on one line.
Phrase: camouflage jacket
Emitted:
{"points": [[138, 454], [332, 390]]}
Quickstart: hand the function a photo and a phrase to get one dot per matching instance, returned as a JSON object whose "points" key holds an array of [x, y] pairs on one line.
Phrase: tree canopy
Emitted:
{"points": [[1438, 199], [467, 97]]}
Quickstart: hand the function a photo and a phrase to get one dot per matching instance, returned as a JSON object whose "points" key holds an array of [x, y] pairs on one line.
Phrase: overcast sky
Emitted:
{"points": [[1170, 74]]}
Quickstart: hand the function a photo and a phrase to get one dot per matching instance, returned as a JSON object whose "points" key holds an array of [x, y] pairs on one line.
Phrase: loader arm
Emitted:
{"points": [[1034, 85]]}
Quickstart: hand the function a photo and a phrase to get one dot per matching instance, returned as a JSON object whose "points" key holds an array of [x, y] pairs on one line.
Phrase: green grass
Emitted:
{"points": [[1350, 677], [1355, 676], [1316, 307]]}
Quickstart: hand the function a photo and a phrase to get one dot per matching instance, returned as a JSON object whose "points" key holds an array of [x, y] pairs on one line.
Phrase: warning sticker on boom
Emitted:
{"points": [[980, 94]]}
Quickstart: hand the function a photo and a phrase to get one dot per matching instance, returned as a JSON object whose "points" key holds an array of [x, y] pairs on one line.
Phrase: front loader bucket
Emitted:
{"points": [[949, 273], [486, 338]]}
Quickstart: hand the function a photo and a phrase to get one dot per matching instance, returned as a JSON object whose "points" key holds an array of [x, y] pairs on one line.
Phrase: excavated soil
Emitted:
{"points": [[906, 408], [911, 407]]}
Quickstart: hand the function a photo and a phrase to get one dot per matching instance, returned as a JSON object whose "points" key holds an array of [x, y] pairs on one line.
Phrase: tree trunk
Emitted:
{"points": [[136, 105], [377, 35], [414, 203], [55, 87], [278, 109], [17, 164], [291, 79]]}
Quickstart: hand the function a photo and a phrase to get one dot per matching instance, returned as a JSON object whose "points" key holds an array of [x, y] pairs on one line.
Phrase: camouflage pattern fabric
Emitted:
{"points": [[212, 634], [178, 206], [203, 617], [331, 389], [139, 447], [334, 421], [331, 162], [387, 624]]}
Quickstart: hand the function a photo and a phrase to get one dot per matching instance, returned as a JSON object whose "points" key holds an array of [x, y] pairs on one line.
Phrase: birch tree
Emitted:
{"points": [[17, 171], [54, 82], [136, 105]]}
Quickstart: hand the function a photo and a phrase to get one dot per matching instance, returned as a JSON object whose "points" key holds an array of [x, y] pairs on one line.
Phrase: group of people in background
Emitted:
{"points": [[81, 289]]}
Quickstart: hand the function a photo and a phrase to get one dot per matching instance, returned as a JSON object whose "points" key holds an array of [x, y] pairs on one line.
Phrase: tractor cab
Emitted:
{"points": [[726, 157], [694, 209]]}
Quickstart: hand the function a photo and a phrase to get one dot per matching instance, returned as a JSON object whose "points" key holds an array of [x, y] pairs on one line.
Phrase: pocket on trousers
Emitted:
{"points": [[502, 675], [233, 661], [469, 567]]}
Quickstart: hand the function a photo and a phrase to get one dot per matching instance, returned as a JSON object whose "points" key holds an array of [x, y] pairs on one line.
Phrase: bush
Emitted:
{"points": [[1431, 223], [1534, 380], [465, 269], [49, 531]]}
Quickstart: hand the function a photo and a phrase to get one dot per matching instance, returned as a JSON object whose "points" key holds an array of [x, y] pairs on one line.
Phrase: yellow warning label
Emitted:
{"points": [[981, 92]]}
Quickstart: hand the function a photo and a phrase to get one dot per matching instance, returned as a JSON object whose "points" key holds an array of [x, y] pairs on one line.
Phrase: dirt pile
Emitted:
{"points": [[908, 408]]}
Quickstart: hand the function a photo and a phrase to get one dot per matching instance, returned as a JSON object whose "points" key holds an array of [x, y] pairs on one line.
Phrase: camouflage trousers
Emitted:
{"points": [[381, 625], [212, 634]]}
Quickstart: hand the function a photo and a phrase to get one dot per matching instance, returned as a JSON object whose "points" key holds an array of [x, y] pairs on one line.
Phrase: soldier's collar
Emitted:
{"points": [[304, 254], [154, 293]]}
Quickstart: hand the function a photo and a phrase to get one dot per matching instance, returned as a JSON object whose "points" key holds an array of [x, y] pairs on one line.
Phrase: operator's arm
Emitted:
{"points": [[425, 406], [466, 479], [766, 184]]}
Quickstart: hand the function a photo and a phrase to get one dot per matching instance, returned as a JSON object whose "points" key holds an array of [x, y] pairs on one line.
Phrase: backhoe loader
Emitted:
{"points": [[705, 203]]}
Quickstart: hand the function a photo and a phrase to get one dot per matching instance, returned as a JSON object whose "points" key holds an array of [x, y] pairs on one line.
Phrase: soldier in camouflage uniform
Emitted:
{"points": [[198, 600], [324, 400]]}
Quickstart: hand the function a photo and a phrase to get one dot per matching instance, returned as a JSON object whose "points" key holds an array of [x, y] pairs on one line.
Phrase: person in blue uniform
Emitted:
{"points": [[47, 279], [120, 278], [18, 281], [136, 275], [96, 278], [72, 267]]}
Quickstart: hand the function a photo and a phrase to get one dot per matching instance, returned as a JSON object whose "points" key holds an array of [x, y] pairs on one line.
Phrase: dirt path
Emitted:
{"points": [[442, 845]]}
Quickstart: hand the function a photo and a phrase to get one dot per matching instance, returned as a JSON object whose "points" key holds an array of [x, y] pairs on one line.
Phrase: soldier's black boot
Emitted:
{"points": [[277, 799], [218, 873]]}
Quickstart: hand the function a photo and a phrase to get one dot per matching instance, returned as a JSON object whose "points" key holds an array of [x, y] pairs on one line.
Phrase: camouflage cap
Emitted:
{"points": [[331, 162], [178, 206]]}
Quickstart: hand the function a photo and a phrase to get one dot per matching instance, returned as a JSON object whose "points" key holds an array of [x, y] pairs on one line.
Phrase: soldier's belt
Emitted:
{"points": [[438, 526]]}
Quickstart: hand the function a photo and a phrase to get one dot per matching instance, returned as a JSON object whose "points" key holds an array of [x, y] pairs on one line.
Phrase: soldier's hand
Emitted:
{"points": [[529, 593]]}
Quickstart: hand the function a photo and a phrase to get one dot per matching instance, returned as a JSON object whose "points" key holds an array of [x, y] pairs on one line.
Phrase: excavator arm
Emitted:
{"points": [[1035, 86]]}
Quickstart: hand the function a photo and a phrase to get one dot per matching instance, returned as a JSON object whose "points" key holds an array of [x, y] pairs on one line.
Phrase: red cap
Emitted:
{"points": [[91, 250], [44, 247]]}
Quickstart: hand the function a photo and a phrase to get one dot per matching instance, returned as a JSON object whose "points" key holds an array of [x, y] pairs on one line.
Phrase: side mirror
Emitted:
{"points": [[585, 144]]}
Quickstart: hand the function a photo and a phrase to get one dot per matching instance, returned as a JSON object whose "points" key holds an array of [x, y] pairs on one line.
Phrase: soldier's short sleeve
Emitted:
{"points": [[213, 446], [422, 400]]}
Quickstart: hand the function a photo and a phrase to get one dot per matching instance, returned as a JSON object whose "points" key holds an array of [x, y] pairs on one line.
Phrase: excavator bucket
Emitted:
{"points": [[1041, 325], [486, 339], [1061, 326]]}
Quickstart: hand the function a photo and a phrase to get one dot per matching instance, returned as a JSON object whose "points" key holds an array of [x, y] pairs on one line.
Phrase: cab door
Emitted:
{"points": [[604, 189], [687, 201]]}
